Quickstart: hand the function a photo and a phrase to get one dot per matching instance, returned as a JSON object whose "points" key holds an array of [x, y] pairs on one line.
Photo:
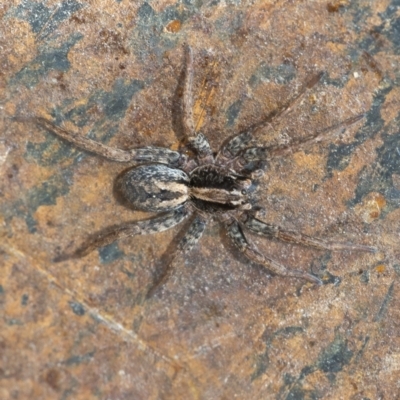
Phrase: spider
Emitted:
{"points": [[211, 186]]}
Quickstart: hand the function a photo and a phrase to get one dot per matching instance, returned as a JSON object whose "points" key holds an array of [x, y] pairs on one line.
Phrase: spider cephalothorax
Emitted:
{"points": [[209, 186]]}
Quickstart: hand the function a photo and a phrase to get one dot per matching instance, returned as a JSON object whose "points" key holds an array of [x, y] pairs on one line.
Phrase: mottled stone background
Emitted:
{"points": [[222, 328]]}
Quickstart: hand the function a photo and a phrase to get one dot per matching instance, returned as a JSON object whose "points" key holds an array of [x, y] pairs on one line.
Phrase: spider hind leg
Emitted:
{"points": [[275, 232], [144, 227], [235, 232], [188, 241]]}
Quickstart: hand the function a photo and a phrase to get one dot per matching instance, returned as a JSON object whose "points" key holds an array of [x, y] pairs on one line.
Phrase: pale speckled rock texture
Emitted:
{"points": [[221, 328]]}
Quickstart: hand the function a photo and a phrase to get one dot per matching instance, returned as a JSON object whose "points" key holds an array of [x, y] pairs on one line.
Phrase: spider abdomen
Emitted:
{"points": [[155, 187]]}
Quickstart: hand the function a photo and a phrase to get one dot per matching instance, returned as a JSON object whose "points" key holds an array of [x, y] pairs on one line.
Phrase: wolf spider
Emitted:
{"points": [[216, 186]]}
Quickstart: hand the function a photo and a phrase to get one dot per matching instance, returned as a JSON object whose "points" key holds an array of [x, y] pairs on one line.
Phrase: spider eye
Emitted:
{"points": [[244, 191]]}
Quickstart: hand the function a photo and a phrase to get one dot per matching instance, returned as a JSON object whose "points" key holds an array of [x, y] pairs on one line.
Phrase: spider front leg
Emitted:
{"points": [[235, 232], [275, 232], [254, 155], [240, 141], [145, 227], [197, 140], [140, 155], [189, 240]]}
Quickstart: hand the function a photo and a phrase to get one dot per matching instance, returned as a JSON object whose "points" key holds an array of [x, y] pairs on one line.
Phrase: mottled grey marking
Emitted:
{"points": [[201, 145], [155, 187], [193, 234], [236, 144], [254, 154], [236, 234], [155, 154]]}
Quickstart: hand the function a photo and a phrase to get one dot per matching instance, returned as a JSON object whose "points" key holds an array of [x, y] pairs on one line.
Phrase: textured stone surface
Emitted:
{"points": [[222, 328]]}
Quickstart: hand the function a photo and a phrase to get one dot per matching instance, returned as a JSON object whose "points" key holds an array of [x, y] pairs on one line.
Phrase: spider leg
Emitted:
{"points": [[249, 250], [275, 232], [241, 140], [144, 227], [189, 240], [197, 141], [251, 157], [144, 154]]}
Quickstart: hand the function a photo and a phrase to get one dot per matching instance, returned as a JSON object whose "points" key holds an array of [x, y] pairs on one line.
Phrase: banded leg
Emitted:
{"points": [[254, 155], [189, 240], [143, 154], [275, 232], [249, 250], [198, 141], [240, 141], [145, 227]]}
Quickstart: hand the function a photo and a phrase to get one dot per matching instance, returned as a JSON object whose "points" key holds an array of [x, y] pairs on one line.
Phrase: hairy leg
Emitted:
{"points": [[144, 154], [197, 140], [275, 232], [145, 227], [190, 239], [258, 154], [240, 141], [249, 250]]}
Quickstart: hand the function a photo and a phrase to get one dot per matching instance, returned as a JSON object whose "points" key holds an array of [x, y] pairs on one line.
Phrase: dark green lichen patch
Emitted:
{"points": [[364, 276], [149, 30], [262, 360], [382, 37], [113, 105], [52, 151], [339, 154], [335, 357], [281, 74], [24, 300], [45, 20], [392, 31], [292, 389], [331, 360], [233, 112], [378, 176], [48, 59], [35, 13], [76, 360], [360, 11], [297, 392], [110, 253], [45, 193], [77, 308]]}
